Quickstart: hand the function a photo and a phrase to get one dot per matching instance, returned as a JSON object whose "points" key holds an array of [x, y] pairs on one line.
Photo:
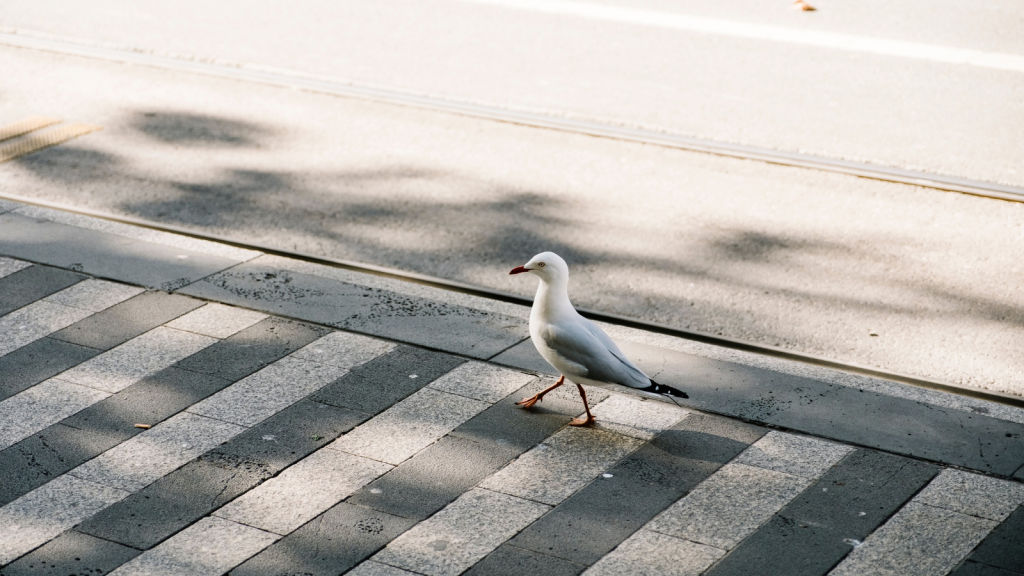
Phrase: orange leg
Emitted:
{"points": [[527, 402], [590, 417]]}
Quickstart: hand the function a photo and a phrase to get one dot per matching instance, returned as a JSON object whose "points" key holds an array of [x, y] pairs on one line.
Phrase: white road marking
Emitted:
{"points": [[771, 33]]}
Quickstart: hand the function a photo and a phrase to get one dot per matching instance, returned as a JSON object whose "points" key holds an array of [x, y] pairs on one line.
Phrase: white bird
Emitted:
{"points": [[573, 345]]}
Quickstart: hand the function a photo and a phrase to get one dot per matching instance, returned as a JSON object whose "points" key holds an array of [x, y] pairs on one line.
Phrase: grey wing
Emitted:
{"points": [[596, 352], [610, 344]]}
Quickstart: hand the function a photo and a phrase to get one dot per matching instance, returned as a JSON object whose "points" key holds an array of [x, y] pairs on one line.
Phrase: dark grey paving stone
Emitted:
{"points": [[105, 255], [970, 568], [373, 387], [42, 359], [82, 436], [42, 457], [434, 478], [592, 522], [330, 544], [71, 554], [33, 283], [809, 536], [293, 433], [252, 349], [149, 401], [429, 323], [126, 320], [175, 501], [510, 560], [525, 357], [888, 423], [505, 424], [1004, 547], [473, 451]]}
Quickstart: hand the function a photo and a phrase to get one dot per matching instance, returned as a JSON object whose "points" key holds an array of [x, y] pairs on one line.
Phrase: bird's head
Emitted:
{"points": [[548, 265]]}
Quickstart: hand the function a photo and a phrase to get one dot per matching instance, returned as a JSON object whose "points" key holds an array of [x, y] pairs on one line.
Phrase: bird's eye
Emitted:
{"points": [[541, 264]]}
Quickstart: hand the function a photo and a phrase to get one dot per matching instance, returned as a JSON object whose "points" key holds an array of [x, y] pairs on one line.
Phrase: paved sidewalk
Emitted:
{"points": [[175, 406]]}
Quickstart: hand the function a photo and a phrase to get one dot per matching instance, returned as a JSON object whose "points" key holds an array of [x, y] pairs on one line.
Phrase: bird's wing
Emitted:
{"points": [[609, 344], [577, 343]]}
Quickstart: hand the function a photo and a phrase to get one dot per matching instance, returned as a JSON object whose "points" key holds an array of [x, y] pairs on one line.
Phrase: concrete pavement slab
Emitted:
{"points": [[71, 553], [561, 465], [508, 560], [918, 539], [254, 348], [464, 532], [9, 266], [830, 518], [653, 554], [1001, 549], [973, 494], [38, 361], [593, 521], [331, 543], [127, 319], [209, 547], [363, 309], [33, 283], [40, 515], [217, 320], [105, 255]]}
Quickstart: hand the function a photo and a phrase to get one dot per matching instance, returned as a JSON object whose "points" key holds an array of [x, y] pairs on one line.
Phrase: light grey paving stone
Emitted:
{"points": [[42, 514], [95, 295], [409, 426], [792, 454], [28, 324], [303, 491], [729, 505], [636, 417], [217, 320], [972, 494], [40, 406], [9, 266], [120, 367], [135, 463], [344, 349], [261, 395], [209, 547], [140, 233], [562, 464], [482, 381], [7, 206], [371, 568], [919, 539], [462, 533], [649, 553]]}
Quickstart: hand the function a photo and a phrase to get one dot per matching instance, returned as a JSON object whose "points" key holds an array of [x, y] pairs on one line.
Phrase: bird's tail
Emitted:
{"points": [[664, 390]]}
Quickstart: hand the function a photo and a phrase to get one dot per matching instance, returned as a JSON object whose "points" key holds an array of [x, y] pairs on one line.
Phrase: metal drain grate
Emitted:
{"points": [[44, 139], [15, 129]]}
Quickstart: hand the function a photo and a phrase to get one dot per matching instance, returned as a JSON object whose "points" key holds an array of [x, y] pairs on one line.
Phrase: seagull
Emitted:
{"points": [[575, 346]]}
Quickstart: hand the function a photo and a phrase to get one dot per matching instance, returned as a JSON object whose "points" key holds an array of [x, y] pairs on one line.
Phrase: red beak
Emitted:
{"points": [[519, 270]]}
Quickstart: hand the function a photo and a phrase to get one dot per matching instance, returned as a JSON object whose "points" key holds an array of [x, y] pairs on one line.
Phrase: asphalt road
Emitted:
{"points": [[809, 261]]}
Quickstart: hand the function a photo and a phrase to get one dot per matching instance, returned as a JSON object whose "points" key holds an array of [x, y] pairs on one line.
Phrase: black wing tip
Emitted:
{"points": [[656, 388]]}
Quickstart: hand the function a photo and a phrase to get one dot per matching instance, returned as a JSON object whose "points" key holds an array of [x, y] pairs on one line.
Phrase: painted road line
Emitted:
{"points": [[21, 127], [769, 33], [44, 139]]}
